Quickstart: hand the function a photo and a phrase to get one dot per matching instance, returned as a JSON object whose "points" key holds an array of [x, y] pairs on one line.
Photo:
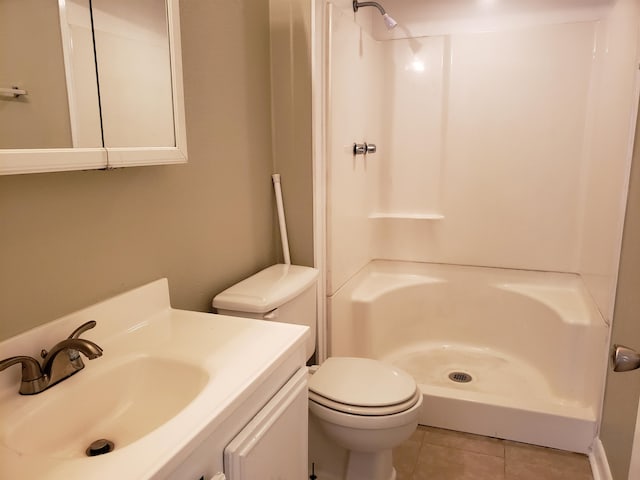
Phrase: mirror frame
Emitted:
{"points": [[18, 161]]}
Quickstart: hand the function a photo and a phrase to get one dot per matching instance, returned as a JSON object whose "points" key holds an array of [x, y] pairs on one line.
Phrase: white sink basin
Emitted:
{"points": [[167, 380], [121, 403]]}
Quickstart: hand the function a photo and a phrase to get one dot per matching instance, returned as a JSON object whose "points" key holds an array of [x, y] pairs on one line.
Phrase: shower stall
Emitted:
{"points": [[477, 245]]}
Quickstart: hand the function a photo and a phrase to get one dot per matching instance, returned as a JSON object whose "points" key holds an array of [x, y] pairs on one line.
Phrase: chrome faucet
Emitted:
{"points": [[62, 361]]}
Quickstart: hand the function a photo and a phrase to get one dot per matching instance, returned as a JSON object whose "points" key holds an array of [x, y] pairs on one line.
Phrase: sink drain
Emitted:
{"points": [[100, 447], [460, 377]]}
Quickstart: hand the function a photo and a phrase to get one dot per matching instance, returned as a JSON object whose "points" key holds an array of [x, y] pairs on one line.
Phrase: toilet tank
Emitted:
{"points": [[280, 293]]}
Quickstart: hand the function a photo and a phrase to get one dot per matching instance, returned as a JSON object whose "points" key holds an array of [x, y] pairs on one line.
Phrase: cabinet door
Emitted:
{"points": [[274, 445]]}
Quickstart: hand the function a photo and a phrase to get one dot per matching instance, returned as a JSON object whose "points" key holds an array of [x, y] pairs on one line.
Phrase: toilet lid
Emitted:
{"points": [[362, 382]]}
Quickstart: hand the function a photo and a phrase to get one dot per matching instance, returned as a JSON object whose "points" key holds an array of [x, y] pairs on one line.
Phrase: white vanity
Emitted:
{"points": [[182, 395]]}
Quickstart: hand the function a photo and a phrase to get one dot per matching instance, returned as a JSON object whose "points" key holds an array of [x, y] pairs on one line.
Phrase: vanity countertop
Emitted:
{"points": [[199, 366]]}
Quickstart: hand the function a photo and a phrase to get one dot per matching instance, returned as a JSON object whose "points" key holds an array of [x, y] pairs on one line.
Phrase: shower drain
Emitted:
{"points": [[460, 377]]}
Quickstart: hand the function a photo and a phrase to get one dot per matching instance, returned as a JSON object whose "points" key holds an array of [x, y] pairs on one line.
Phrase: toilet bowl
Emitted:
{"points": [[363, 405]]}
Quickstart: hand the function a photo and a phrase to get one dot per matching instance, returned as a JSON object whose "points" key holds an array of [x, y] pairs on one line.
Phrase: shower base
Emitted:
{"points": [[533, 343], [506, 397]]}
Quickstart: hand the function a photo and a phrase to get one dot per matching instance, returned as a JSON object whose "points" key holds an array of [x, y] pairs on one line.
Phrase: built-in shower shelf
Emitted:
{"points": [[408, 216]]}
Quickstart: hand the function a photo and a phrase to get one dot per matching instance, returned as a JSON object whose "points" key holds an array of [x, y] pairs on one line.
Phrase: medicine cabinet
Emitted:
{"points": [[90, 84]]}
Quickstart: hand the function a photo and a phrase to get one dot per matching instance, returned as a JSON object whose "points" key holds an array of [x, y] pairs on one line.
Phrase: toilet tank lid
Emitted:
{"points": [[266, 290]]}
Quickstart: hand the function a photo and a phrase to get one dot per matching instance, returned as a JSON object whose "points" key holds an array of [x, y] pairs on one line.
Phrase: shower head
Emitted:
{"points": [[388, 21]]}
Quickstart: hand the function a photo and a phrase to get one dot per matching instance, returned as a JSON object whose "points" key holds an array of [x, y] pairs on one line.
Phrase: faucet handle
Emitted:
{"points": [[33, 380], [30, 367], [83, 328], [73, 354]]}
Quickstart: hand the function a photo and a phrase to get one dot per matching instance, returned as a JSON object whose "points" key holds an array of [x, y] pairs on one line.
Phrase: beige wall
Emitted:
{"points": [[291, 113], [68, 240]]}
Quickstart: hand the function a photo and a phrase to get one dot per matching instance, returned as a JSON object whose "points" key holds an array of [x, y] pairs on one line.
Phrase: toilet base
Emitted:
{"points": [[370, 466]]}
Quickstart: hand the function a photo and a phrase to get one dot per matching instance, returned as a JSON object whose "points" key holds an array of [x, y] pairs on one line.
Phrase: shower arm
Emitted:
{"points": [[357, 5]]}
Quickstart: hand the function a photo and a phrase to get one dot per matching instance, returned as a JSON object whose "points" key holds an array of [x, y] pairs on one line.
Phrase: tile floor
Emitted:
{"points": [[436, 454]]}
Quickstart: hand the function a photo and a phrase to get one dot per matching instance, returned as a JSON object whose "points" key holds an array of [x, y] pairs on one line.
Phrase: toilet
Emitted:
{"points": [[363, 405]]}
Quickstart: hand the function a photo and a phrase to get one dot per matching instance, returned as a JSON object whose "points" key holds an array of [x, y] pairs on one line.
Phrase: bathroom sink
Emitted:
{"points": [[167, 380], [121, 403]]}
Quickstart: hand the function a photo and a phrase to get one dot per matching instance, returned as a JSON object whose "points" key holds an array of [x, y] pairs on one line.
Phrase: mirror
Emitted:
{"points": [[134, 72], [32, 58], [90, 84]]}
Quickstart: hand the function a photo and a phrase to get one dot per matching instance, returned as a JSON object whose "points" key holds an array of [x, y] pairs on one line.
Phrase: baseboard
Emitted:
{"points": [[599, 463]]}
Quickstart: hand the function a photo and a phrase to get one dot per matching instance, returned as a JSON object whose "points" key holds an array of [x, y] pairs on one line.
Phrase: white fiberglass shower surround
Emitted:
{"points": [[482, 237]]}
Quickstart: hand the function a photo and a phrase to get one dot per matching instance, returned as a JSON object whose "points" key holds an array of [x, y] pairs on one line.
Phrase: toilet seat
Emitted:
{"points": [[362, 386], [365, 411]]}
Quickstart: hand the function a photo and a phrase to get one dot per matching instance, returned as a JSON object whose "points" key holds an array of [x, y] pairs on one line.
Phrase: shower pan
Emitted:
{"points": [[498, 352]]}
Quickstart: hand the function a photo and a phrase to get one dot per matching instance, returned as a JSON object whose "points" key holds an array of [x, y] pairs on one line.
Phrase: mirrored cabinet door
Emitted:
{"points": [[33, 61], [134, 72], [81, 74]]}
